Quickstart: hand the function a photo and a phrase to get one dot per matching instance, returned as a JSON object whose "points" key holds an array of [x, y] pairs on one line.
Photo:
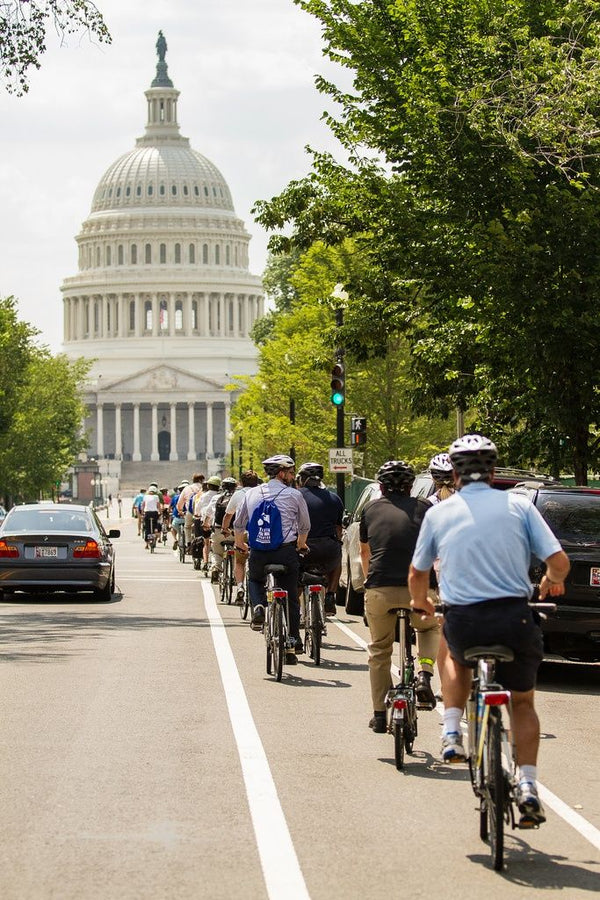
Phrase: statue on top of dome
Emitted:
{"points": [[161, 46]]}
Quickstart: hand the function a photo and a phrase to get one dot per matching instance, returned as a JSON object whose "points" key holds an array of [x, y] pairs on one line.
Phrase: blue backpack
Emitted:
{"points": [[265, 531]]}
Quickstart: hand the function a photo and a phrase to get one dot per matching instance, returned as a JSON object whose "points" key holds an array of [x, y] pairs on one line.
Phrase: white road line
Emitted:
{"points": [[562, 809], [280, 866]]}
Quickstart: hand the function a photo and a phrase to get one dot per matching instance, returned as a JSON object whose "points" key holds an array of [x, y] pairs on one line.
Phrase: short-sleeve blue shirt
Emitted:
{"points": [[484, 539]]}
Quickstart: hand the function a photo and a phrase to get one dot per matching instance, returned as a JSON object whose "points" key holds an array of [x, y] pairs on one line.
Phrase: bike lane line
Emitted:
{"points": [[562, 809], [280, 866]]}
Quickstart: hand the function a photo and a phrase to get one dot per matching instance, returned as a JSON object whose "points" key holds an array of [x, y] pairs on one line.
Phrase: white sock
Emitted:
{"points": [[452, 717], [528, 773]]}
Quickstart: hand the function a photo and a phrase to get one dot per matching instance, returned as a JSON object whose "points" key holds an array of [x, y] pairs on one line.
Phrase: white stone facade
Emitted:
{"points": [[163, 301]]}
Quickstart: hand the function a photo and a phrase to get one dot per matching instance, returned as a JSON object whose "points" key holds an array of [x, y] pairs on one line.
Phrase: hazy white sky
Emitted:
{"points": [[245, 69]]}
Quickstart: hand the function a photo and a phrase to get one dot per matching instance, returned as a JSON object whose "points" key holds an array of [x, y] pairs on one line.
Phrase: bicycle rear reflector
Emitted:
{"points": [[400, 703], [496, 698]]}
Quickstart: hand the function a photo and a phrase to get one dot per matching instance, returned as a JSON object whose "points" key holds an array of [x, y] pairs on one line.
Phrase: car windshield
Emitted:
{"points": [[572, 517], [47, 520]]}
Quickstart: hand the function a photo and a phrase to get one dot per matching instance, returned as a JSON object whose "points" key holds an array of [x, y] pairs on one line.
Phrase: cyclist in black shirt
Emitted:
{"points": [[389, 527], [324, 538]]}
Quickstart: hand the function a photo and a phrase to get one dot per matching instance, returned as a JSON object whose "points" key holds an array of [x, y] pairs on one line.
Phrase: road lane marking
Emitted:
{"points": [[562, 809], [280, 866]]}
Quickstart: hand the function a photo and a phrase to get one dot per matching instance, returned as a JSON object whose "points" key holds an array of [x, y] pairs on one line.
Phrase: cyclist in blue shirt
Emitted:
{"points": [[484, 539]]}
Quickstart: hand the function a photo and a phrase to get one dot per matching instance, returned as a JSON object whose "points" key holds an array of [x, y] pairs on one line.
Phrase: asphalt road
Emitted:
{"points": [[145, 753]]}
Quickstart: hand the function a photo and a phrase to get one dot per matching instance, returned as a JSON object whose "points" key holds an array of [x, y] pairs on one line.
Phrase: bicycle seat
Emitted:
{"points": [[227, 543], [496, 651], [311, 578], [275, 569], [396, 610]]}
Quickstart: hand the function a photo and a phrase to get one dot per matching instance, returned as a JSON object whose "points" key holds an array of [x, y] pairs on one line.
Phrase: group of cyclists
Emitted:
{"points": [[467, 548]]}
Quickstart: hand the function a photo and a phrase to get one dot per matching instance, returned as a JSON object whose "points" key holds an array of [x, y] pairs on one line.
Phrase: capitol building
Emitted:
{"points": [[163, 303]]}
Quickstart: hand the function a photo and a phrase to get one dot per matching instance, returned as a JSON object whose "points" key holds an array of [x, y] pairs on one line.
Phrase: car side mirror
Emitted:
{"points": [[114, 533]]}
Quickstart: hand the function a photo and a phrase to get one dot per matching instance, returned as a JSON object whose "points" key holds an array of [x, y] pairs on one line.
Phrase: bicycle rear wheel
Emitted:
{"points": [[278, 640], [494, 788], [315, 629], [181, 544], [398, 726], [269, 638]]}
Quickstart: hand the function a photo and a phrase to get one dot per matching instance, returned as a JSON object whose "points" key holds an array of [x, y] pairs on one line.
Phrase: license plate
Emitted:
{"points": [[595, 576], [46, 552]]}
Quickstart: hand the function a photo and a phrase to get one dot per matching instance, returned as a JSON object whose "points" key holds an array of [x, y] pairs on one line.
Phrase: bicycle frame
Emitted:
{"points": [[276, 628]]}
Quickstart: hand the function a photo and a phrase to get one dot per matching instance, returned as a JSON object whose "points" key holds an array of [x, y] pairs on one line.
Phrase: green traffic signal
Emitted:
{"points": [[337, 399], [337, 384]]}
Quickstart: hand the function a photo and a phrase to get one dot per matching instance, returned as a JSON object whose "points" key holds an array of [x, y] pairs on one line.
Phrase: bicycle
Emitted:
{"points": [[312, 601], [491, 751], [181, 541], [401, 700], [151, 541], [277, 639], [227, 574]]}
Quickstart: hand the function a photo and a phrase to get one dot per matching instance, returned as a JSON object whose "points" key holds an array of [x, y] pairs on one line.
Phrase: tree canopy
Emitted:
{"points": [[23, 29], [472, 186], [41, 410]]}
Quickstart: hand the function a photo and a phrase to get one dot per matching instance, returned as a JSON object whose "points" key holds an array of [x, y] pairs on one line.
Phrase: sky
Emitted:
{"points": [[245, 70]]}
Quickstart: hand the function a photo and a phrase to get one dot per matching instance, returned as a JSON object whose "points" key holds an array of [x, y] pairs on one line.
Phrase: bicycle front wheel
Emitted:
{"points": [[228, 567], [494, 788], [278, 641]]}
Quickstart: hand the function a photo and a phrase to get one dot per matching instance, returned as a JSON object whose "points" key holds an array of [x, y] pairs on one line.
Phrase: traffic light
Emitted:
{"points": [[358, 431], [337, 384]]}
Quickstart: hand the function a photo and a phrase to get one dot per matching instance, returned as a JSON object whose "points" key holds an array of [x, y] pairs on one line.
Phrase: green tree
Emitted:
{"points": [[23, 26], [485, 219]]}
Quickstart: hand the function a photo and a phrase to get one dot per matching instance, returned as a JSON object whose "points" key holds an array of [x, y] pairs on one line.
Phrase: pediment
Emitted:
{"points": [[161, 378]]}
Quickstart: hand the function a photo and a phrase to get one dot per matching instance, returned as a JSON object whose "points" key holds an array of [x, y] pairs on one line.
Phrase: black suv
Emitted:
{"points": [[573, 514]]}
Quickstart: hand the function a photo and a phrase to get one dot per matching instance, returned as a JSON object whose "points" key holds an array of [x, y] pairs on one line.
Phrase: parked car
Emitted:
{"points": [[573, 514], [48, 547], [351, 579]]}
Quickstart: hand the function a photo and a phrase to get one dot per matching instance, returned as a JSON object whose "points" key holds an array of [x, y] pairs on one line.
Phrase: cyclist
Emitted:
{"points": [[151, 509], [485, 539], [176, 519], [388, 532], [295, 525], [326, 511], [136, 509], [249, 479], [213, 520], [201, 502], [442, 475], [185, 504]]}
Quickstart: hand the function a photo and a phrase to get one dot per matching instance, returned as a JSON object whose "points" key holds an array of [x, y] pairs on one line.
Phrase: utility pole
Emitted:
{"points": [[293, 422]]}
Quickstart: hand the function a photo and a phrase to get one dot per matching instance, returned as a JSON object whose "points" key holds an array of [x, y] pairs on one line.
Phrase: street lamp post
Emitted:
{"points": [[231, 437], [341, 297]]}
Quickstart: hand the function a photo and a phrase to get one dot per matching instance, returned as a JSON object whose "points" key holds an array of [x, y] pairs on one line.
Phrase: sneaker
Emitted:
{"points": [[239, 597], [453, 750], [530, 806], [175, 545], [258, 618], [425, 696], [330, 607], [298, 646], [291, 659], [214, 576], [378, 723]]}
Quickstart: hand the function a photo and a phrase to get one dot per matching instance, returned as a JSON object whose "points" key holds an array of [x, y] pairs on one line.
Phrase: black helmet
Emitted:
{"points": [[310, 470], [440, 467], [229, 484], [395, 474], [275, 464], [473, 456]]}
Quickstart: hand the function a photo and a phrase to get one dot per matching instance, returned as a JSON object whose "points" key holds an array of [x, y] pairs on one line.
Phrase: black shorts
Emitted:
{"points": [[325, 554], [507, 620]]}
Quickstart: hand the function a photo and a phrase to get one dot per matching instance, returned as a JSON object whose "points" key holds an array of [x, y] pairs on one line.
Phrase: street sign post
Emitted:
{"points": [[341, 460]]}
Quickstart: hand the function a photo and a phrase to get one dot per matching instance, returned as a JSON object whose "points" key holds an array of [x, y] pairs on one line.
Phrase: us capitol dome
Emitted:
{"points": [[163, 302]]}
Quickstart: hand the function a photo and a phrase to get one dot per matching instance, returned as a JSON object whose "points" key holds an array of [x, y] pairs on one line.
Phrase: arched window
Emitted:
{"points": [[150, 190], [205, 254], [235, 255], [185, 190], [163, 319], [196, 190], [178, 315], [218, 255], [108, 256], [174, 190], [128, 191], [177, 253], [227, 255], [148, 253], [132, 315], [161, 190], [239, 308], [192, 253], [230, 315], [108, 317], [163, 253], [138, 191], [97, 257], [120, 255], [96, 317], [194, 315], [148, 315], [134, 254]]}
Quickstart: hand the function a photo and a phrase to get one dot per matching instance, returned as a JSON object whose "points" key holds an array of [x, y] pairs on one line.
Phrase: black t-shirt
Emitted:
{"points": [[325, 510], [390, 525]]}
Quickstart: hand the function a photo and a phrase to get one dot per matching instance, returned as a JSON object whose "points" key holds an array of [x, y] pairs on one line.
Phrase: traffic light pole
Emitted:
{"points": [[340, 436]]}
